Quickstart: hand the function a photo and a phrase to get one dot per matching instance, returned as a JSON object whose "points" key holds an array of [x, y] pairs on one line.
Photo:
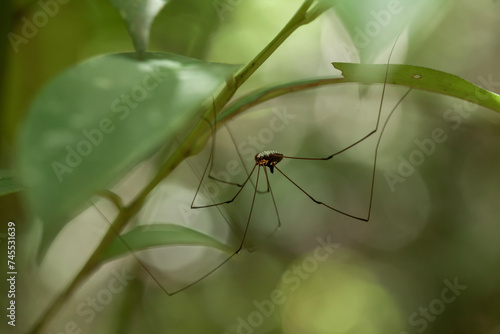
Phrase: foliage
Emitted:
{"points": [[93, 123]]}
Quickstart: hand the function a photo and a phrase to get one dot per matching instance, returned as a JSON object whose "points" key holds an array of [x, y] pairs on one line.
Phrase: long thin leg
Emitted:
{"points": [[272, 196], [376, 151], [212, 152], [373, 172], [270, 190], [130, 249], [147, 269], [359, 141], [241, 159], [222, 215], [318, 202], [209, 165], [242, 163], [224, 181], [378, 117], [245, 232], [224, 202], [251, 208]]}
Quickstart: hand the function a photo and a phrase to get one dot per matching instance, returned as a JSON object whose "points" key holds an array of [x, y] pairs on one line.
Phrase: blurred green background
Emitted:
{"points": [[437, 228]]}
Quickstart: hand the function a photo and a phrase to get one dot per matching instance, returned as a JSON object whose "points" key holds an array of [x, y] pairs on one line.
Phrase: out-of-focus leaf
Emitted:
{"points": [[375, 24], [95, 121], [139, 16], [159, 235], [8, 183]]}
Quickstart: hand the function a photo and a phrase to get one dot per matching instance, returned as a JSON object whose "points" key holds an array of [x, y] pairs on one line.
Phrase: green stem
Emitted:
{"points": [[112, 197], [183, 151], [89, 266], [261, 95], [296, 21]]}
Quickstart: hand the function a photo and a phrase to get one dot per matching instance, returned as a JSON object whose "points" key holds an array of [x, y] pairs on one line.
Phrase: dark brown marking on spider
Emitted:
{"points": [[268, 159]]}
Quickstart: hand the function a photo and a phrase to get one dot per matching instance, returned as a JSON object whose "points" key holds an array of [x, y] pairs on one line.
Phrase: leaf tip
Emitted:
{"points": [[338, 66]]}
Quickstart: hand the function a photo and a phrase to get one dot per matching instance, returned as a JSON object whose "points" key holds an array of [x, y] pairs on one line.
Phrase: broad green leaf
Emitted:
{"points": [[417, 77], [159, 235], [139, 16], [8, 184], [374, 25], [92, 123]]}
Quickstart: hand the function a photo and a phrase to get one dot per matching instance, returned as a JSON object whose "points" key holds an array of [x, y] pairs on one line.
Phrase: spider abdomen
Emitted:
{"points": [[268, 159]]}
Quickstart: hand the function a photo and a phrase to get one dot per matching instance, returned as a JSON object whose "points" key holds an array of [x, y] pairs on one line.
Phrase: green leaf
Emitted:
{"points": [[8, 184], [95, 121], [159, 235], [374, 25], [417, 77], [422, 78], [139, 16]]}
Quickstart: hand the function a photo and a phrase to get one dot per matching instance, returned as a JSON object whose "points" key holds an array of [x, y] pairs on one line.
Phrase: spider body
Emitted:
{"points": [[268, 159]]}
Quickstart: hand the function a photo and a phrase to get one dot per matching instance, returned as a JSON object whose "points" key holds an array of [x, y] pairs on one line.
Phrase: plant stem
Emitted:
{"points": [[296, 21], [261, 95], [182, 152], [89, 266]]}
